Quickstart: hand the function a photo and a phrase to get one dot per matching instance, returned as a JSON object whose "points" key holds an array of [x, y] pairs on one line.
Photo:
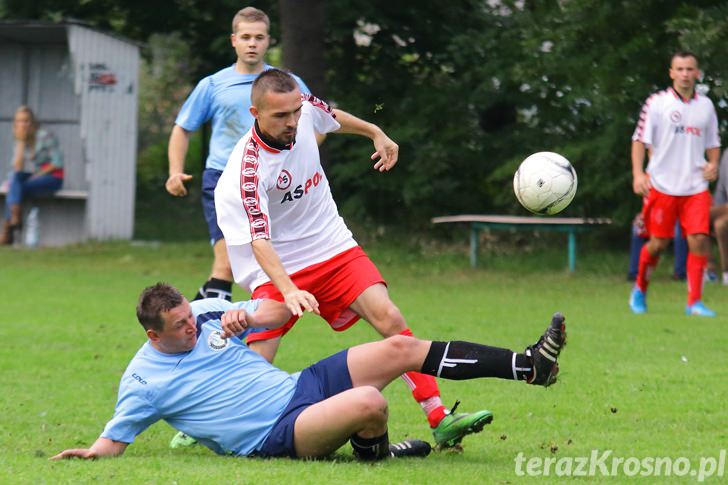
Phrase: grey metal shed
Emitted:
{"points": [[83, 86]]}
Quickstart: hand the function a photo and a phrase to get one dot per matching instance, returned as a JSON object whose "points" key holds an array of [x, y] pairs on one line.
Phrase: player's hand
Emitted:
{"points": [[233, 322], [298, 301], [84, 453], [175, 184], [710, 171], [641, 184], [387, 151]]}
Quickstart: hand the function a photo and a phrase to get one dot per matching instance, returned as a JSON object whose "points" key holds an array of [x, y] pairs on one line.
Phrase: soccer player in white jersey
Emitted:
{"points": [[197, 374], [681, 128], [286, 240], [223, 98]]}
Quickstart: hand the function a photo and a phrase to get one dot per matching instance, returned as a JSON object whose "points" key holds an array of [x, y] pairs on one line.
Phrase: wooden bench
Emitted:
{"points": [[569, 225], [62, 216]]}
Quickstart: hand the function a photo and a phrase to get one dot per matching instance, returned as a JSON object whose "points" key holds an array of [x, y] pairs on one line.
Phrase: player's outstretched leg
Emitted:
{"points": [[458, 360], [540, 367]]}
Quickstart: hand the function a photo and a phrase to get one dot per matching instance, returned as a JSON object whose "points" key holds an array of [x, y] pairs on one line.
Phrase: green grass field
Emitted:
{"points": [[647, 386]]}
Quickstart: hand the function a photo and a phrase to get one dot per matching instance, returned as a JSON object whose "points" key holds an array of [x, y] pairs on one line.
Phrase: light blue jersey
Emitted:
{"points": [[220, 392], [223, 97]]}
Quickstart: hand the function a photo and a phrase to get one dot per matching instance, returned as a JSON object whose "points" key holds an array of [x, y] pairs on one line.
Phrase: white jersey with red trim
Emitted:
{"points": [[678, 132], [282, 195]]}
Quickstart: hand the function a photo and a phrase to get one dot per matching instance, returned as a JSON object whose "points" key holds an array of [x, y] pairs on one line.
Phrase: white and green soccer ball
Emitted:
{"points": [[545, 183]]}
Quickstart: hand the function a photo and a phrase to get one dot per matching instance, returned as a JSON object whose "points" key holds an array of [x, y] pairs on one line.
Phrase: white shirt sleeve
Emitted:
{"points": [[712, 137], [647, 122], [322, 115], [241, 200]]}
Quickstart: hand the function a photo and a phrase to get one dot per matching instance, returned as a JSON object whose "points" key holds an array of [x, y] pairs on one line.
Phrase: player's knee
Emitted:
{"points": [[371, 405], [401, 345], [390, 320], [657, 245]]}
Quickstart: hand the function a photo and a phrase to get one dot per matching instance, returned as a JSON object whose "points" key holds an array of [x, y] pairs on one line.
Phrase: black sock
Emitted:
{"points": [[216, 288], [465, 360], [370, 449], [201, 292]]}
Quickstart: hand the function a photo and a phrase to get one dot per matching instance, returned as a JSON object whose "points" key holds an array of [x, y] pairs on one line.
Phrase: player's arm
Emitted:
{"points": [[640, 180], [386, 150], [269, 314], [179, 142], [103, 447], [710, 171], [296, 300]]}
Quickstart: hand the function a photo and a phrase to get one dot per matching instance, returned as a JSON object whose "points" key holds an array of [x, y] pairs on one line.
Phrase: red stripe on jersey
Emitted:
{"points": [[259, 141], [259, 226], [643, 115], [317, 103]]}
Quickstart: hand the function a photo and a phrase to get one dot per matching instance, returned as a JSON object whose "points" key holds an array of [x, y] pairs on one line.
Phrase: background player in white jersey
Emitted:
{"points": [[681, 127], [286, 240], [224, 98], [196, 374]]}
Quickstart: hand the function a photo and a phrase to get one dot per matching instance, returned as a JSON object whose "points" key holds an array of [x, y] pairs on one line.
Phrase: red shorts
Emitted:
{"points": [[661, 210], [335, 283]]}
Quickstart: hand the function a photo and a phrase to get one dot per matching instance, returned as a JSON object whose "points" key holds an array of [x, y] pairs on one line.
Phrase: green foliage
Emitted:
{"points": [[164, 80], [471, 90], [467, 89], [705, 31]]}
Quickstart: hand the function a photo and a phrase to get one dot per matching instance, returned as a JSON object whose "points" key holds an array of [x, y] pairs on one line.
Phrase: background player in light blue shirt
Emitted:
{"points": [[197, 374], [224, 98]]}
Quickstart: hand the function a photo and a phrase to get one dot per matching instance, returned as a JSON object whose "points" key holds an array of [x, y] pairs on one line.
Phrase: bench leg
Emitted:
{"points": [[572, 251], [474, 246]]}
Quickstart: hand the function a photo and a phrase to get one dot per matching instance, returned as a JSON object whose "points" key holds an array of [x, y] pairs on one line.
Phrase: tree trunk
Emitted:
{"points": [[302, 23], [302, 32]]}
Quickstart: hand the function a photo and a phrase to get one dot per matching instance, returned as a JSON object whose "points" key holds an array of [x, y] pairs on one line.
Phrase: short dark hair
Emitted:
{"points": [[684, 53], [271, 80], [153, 301]]}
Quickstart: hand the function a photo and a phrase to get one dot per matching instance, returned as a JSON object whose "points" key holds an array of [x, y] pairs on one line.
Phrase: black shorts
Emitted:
{"points": [[210, 177], [320, 381]]}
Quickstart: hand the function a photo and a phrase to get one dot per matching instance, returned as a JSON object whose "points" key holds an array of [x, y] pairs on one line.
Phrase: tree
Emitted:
{"points": [[302, 36]]}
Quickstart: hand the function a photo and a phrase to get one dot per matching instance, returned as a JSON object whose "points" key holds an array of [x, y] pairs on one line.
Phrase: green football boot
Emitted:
{"points": [[182, 440], [455, 426]]}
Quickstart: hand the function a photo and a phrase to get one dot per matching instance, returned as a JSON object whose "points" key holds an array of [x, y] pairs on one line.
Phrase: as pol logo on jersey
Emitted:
{"points": [[302, 189], [687, 130]]}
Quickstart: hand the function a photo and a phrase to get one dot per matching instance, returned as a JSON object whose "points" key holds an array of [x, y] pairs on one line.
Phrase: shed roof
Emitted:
{"points": [[46, 32]]}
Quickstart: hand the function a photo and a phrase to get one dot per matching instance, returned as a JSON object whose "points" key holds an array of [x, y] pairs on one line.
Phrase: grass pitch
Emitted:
{"points": [[640, 386]]}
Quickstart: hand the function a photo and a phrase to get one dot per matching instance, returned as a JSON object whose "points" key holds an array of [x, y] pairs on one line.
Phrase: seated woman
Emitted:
{"points": [[37, 168]]}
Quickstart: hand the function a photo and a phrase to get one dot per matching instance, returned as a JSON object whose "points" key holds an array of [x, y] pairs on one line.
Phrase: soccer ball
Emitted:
{"points": [[545, 183]]}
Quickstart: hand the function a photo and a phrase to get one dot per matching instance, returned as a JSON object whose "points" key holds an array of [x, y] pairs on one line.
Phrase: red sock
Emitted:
{"points": [[696, 267], [425, 391], [648, 263]]}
